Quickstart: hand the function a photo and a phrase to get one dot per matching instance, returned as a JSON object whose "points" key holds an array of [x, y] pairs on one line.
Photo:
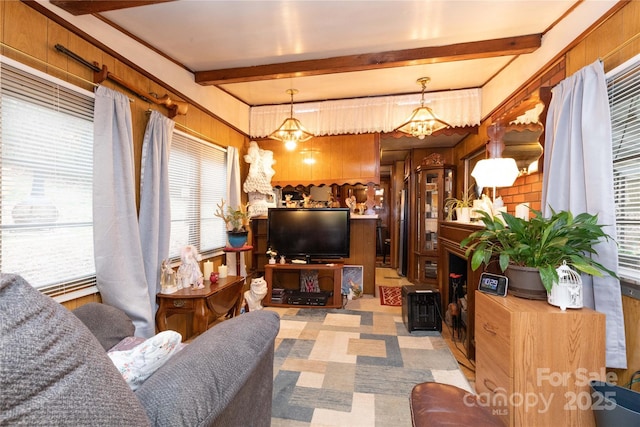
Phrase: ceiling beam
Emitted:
{"points": [[371, 61], [86, 7]]}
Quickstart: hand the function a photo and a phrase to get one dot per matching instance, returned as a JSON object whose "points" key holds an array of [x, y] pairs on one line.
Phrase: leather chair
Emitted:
{"points": [[434, 405]]}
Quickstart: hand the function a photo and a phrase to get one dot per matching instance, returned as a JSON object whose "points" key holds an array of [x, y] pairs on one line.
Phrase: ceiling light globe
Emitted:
{"points": [[290, 145]]}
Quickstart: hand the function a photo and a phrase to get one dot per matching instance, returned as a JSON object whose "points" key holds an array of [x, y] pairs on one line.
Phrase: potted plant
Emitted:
{"points": [[537, 247], [237, 223], [461, 206]]}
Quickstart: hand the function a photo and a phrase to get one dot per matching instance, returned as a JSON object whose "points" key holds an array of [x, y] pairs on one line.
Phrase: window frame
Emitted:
{"points": [[200, 182], [630, 282]]}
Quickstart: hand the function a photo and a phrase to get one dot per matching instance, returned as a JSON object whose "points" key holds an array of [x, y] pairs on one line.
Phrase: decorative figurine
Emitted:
{"points": [[167, 278], [189, 271], [256, 293]]}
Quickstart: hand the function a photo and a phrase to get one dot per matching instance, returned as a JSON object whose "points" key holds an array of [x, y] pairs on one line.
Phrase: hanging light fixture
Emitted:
{"points": [[423, 121], [291, 130]]}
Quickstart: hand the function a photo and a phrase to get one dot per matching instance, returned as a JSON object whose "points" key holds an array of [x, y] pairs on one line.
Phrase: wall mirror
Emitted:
{"points": [[524, 131]]}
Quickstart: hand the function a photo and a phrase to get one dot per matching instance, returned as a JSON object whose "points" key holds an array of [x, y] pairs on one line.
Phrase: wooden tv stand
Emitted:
{"points": [[287, 276]]}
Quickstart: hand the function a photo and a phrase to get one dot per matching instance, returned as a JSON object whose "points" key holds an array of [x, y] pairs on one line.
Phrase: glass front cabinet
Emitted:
{"points": [[434, 183]]}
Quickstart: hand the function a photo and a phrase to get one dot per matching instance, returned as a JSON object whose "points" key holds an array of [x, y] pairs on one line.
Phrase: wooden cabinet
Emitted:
{"points": [[325, 160], [434, 184], [287, 277], [259, 242], [534, 361], [362, 237], [362, 250]]}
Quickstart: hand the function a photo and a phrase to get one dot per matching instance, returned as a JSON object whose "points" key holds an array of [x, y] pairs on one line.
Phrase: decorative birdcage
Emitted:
{"points": [[567, 293]]}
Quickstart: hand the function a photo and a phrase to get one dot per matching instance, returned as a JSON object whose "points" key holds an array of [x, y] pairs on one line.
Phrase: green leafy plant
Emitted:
{"points": [[542, 243]]}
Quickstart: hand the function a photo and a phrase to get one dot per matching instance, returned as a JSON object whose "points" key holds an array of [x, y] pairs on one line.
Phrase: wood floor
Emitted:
{"points": [[389, 277]]}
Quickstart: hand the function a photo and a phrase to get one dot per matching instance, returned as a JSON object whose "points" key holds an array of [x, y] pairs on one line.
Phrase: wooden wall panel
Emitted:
{"points": [[631, 308], [340, 159], [605, 41]]}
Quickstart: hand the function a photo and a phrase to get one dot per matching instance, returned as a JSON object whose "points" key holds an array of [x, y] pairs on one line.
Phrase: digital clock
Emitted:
{"points": [[493, 284]]}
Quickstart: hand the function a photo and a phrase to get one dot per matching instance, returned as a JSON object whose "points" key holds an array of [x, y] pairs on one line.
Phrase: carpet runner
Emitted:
{"points": [[390, 295]]}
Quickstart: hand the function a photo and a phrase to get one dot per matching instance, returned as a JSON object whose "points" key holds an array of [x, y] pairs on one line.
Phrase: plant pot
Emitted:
{"points": [[237, 239], [525, 282], [463, 214]]}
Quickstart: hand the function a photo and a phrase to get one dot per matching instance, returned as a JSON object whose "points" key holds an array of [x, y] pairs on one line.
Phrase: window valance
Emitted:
{"points": [[368, 115]]}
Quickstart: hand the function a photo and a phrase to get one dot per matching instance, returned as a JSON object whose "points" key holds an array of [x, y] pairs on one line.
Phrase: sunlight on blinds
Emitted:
{"points": [[46, 136], [624, 99]]}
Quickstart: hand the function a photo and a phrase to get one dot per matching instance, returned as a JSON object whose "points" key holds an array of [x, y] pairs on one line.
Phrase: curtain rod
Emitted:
{"points": [[101, 74], [40, 61]]}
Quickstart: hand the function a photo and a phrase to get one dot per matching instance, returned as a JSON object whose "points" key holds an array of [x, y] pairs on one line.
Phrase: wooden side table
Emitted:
{"points": [[218, 299], [238, 251]]}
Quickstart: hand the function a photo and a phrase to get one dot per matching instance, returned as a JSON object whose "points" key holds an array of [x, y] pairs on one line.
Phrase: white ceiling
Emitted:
{"points": [[210, 35], [204, 35]]}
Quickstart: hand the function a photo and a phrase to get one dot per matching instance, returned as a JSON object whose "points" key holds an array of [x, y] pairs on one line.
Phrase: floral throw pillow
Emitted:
{"points": [[137, 364]]}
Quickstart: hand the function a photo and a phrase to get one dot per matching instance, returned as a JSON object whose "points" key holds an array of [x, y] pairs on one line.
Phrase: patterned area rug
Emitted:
{"points": [[338, 367], [390, 295]]}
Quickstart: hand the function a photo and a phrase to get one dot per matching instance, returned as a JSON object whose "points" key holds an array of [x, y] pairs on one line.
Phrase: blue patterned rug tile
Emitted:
{"points": [[321, 398], [391, 381], [284, 386], [284, 348], [301, 349]]}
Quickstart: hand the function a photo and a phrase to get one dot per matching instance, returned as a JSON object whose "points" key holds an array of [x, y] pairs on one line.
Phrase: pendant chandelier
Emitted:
{"points": [[291, 130], [423, 121]]}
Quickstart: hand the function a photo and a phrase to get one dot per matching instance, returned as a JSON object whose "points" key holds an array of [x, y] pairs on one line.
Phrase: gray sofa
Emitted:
{"points": [[54, 371]]}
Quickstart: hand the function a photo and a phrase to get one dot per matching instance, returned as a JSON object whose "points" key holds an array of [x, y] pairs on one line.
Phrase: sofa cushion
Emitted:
{"points": [[137, 364], [53, 370], [109, 325]]}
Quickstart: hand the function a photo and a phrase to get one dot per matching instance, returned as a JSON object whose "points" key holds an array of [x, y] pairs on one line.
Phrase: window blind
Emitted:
{"points": [[46, 175], [624, 99], [197, 183]]}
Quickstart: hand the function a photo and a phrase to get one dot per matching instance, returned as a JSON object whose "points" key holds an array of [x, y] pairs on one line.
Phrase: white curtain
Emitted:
{"points": [[118, 254], [155, 208], [368, 115], [578, 176], [233, 195]]}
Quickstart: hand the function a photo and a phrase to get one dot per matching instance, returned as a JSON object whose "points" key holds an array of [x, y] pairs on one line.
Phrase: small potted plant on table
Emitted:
{"points": [[529, 252], [237, 223], [461, 206]]}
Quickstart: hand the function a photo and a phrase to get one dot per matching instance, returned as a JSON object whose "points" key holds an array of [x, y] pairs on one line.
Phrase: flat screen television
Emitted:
{"points": [[309, 233]]}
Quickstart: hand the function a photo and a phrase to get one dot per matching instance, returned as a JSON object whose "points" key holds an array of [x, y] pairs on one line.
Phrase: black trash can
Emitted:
{"points": [[614, 406]]}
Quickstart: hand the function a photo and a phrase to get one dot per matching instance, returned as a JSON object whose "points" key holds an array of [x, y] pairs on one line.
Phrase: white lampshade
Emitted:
{"points": [[496, 172]]}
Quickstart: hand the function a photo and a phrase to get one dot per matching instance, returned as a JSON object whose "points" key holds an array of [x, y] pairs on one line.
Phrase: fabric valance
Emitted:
{"points": [[368, 115]]}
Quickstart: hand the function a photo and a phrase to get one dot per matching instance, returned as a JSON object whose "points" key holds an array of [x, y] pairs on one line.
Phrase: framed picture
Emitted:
{"points": [[352, 278]]}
